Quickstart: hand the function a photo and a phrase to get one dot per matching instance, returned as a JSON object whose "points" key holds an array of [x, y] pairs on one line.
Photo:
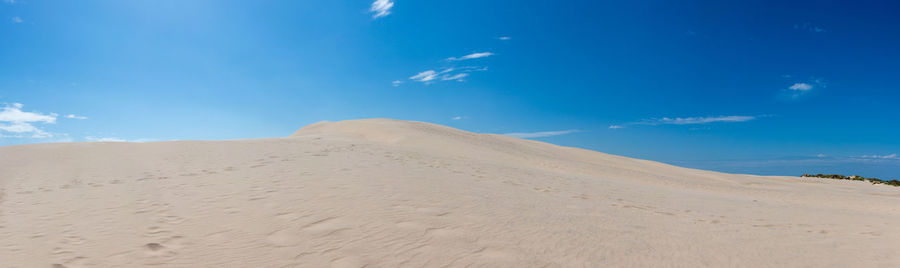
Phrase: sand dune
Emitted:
{"points": [[389, 193]]}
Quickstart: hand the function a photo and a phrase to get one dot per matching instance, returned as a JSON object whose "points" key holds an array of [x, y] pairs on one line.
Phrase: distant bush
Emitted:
{"points": [[852, 178]]}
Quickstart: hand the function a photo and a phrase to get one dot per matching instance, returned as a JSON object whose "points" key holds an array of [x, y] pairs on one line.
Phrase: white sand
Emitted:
{"points": [[387, 193]]}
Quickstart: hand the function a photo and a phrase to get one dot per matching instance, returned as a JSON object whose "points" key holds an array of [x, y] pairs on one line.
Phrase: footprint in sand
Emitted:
{"points": [[166, 248], [154, 246]]}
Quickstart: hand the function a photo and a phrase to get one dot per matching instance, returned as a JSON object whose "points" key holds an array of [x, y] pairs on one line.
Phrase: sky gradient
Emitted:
{"points": [[762, 87]]}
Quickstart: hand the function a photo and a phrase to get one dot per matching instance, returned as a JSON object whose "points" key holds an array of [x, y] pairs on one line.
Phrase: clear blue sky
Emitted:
{"points": [[762, 87]]}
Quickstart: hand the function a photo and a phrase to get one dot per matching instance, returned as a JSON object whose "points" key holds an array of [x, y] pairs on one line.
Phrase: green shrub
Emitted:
{"points": [[853, 178]]}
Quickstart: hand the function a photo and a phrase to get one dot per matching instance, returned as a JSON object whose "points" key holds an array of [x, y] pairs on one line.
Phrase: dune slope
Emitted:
{"points": [[390, 193]]}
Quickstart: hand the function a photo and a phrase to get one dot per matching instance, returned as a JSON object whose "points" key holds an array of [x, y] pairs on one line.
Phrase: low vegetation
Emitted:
{"points": [[852, 178]]}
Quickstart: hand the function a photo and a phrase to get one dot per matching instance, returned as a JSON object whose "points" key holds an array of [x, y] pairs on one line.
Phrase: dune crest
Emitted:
{"points": [[392, 193]]}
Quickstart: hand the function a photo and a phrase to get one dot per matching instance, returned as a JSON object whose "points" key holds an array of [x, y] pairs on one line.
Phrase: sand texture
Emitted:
{"points": [[389, 193]]}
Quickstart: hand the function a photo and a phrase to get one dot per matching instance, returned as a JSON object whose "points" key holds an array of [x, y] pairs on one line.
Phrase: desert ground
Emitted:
{"points": [[390, 193]]}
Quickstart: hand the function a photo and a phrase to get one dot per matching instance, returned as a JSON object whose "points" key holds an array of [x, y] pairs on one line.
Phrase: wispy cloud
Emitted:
{"points": [[16, 20], [800, 87], [471, 56], [381, 8], [425, 77], [504, 38], [542, 134], [809, 27], [9, 1], [454, 73], [697, 120], [72, 116], [447, 74], [103, 139], [459, 117], [457, 77], [875, 156], [16, 123], [470, 69], [113, 139], [396, 83]]}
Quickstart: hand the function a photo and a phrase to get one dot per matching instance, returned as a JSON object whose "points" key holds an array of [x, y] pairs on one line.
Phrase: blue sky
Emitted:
{"points": [[761, 87]]}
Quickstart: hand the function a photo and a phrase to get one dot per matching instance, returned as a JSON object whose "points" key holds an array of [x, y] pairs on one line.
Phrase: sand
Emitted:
{"points": [[390, 193]]}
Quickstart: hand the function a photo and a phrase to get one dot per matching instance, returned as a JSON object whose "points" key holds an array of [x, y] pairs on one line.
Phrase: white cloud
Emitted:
{"points": [[801, 87], [471, 56], [448, 74], [821, 155], [16, 20], [470, 69], [457, 77], [540, 134], [72, 116], [104, 139], [697, 120], [396, 83], [700, 120], [19, 128], [21, 124], [809, 27], [504, 38], [458, 117], [113, 139], [430, 76], [889, 156], [381, 8], [425, 76]]}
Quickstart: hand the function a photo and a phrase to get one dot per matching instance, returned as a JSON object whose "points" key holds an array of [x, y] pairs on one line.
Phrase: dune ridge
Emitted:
{"points": [[392, 193]]}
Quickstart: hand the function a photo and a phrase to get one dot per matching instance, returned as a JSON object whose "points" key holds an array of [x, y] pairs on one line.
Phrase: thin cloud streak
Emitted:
{"points": [[699, 120], [542, 134], [457, 77], [471, 56], [72, 116], [889, 156], [449, 74], [426, 76], [381, 8], [114, 139]]}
